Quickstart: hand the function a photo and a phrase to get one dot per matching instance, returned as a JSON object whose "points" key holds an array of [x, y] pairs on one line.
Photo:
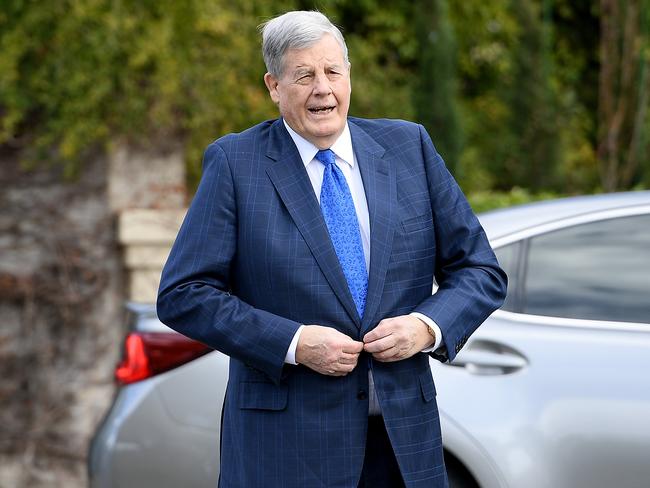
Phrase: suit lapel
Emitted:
{"points": [[289, 176], [379, 184]]}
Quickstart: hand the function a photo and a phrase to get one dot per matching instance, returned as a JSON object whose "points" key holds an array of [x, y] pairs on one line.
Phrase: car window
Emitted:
{"points": [[597, 271], [508, 257]]}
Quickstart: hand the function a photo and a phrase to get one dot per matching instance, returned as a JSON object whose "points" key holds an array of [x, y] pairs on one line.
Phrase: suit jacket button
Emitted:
{"points": [[362, 395]]}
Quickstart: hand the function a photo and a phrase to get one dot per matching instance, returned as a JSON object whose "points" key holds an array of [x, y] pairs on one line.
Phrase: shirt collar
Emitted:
{"points": [[342, 147]]}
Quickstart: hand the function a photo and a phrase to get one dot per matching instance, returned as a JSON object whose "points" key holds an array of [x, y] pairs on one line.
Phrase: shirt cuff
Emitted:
{"points": [[433, 326], [290, 358]]}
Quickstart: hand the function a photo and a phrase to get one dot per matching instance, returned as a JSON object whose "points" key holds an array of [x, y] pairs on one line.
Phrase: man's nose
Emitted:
{"points": [[322, 85]]}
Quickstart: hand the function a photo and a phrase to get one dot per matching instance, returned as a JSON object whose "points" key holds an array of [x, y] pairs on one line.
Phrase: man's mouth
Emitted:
{"points": [[325, 109]]}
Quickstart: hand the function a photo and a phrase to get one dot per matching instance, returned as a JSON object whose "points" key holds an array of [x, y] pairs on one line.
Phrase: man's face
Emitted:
{"points": [[313, 93]]}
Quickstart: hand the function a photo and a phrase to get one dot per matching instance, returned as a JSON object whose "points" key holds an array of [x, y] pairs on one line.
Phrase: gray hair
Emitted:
{"points": [[295, 30]]}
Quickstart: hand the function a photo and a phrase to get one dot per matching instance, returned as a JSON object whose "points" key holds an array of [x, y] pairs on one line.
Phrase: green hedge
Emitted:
{"points": [[482, 201]]}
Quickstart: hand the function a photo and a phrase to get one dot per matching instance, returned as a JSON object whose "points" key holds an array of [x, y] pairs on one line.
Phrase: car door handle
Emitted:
{"points": [[489, 358]]}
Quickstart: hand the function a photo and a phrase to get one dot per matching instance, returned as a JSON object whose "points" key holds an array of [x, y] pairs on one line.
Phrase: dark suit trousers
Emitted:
{"points": [[380, 469]]}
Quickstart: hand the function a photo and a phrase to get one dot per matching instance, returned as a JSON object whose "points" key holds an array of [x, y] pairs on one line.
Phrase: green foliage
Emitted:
{"points": [[382, 53], [78, 74], [643, 147], [435, 93], [483, 201], [485, 32], [533, 110], [508, 89]]}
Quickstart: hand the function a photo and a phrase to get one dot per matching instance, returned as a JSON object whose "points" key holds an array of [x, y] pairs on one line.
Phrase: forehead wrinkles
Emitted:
{"points": [[309, 57], [326, 51], [301, 59]]}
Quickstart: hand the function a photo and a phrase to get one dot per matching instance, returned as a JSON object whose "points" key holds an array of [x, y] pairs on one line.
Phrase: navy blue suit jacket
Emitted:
{"points": [[253, 260]]}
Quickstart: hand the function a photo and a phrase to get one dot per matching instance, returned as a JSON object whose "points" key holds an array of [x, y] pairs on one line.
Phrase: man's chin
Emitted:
{"points": [[324, 130]]}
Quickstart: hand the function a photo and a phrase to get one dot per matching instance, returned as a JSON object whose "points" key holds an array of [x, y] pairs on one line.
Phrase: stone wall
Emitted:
{"points": [[71, 253], [146, 236], [60, 302], [146, 190]]}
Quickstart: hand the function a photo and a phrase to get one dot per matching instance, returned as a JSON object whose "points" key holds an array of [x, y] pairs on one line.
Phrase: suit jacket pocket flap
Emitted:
{"points": [[427, 386], [415, 224], [262, 396]]}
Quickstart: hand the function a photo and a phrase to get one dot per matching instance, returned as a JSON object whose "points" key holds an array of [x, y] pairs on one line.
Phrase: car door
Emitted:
{"points": [[554, 389]]}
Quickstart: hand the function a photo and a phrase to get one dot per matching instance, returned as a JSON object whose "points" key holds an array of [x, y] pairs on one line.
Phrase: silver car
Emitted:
{"points": [[552, 391]]}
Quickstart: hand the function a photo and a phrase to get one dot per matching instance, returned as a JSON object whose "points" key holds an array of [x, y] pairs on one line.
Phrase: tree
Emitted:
{"points": [[624, 88], [531, 155], [77, 75], [514, 92], [435, 93]]}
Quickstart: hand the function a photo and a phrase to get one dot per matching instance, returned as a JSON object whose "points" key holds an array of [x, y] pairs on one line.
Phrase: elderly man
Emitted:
{"points": [[308, 256]]}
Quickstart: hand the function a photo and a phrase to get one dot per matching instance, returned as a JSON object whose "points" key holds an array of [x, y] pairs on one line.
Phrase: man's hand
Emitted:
{"points": [[397, 338], [327, 351]]}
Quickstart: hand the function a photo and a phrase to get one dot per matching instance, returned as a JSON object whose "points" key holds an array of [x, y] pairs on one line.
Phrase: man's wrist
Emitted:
{"points": [[290, 357], [431, 333], [429, 336], [433, 330]]}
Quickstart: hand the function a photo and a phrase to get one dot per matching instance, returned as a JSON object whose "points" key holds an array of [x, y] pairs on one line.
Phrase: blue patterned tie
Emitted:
{"points": [[341, 219]]}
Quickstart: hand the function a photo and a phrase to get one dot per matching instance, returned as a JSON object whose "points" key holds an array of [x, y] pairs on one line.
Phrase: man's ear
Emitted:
{"points": [[272, 85], [350, 75]]}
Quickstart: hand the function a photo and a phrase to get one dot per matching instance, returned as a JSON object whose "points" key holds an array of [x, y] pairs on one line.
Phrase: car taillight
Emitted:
{"points": [[147, 354]]}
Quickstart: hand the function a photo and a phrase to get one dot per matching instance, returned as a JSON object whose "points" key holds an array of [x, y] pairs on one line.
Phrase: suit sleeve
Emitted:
{"points": [[471, 285], [195, 296]]}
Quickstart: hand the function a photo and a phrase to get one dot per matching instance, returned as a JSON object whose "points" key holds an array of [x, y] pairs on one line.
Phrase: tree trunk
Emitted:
{"points": [[623, 93]]}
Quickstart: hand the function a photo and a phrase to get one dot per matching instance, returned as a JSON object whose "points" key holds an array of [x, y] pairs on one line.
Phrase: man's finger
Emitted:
{"points": [[346, 362], [340, 370], [347, 368], [382, 344], [353, 347], [386, 354], [382, 330], [348, 358]]}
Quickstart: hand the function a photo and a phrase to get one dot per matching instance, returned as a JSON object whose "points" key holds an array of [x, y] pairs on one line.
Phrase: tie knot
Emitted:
{"points": [[326, 156]]}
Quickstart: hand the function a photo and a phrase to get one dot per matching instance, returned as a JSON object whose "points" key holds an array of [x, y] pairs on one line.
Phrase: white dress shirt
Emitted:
{"points": [[346, 161]]}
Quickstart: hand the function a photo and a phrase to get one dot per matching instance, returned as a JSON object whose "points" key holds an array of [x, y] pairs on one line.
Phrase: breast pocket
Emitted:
{"points": [[418, 223], [414, 241]]}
